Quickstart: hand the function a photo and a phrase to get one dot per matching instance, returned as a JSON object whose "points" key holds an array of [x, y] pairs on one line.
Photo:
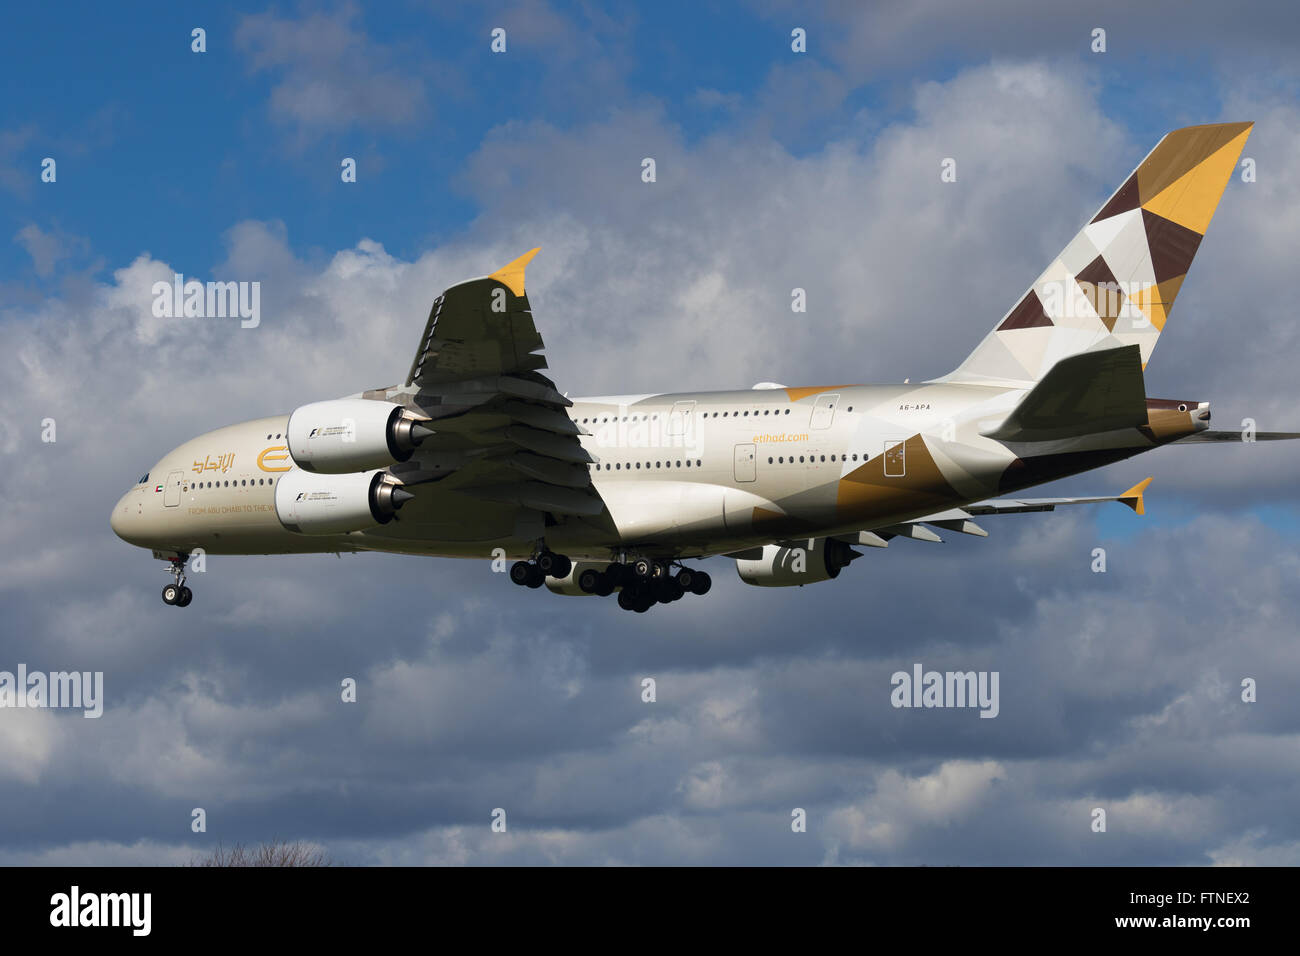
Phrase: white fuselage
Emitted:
{"points": [[687, 474]]}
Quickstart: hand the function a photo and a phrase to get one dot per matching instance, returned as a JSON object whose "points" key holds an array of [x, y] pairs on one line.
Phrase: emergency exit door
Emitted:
{"points": [[823, 412], [745, 466], [896, 458]]}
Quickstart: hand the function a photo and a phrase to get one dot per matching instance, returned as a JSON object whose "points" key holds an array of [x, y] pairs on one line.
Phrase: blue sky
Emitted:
{"points": [[160, 148], [775, 170]]}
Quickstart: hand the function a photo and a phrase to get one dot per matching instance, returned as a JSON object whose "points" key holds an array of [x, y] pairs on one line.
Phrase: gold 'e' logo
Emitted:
{"points": [[274, 454]]}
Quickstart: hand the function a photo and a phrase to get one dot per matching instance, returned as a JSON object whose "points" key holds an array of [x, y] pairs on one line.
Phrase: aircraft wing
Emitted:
{"points": [[501, 432], [479, 328], [959, 519]]}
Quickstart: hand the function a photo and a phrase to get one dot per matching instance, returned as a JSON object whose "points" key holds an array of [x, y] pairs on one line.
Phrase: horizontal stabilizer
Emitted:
{"points": [[1246, 437], [1080, 395], [1131, 498]]}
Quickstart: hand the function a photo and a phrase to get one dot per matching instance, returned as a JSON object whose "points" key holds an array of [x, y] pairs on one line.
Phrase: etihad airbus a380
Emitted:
{"points": [[477, 453]]}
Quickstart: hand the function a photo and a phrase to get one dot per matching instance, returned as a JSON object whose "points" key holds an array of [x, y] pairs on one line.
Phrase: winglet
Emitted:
{"points": [[1133, 497], [512, 275]]}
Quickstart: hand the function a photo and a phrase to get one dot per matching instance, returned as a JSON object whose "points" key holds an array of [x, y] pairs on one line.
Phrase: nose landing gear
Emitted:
{"points": [[176, 593]]}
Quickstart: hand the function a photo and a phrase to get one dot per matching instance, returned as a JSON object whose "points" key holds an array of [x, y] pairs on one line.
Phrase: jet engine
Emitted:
{"points": [[352, 434], [795, 563], [336, 504], [588, 573]]}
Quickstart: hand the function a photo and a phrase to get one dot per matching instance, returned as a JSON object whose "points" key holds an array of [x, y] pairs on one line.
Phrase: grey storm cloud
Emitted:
{"points": [[1119, 690]]}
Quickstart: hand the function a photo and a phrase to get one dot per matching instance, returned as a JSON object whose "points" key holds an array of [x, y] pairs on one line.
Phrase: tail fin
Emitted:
{"points": [[1115, 283]]}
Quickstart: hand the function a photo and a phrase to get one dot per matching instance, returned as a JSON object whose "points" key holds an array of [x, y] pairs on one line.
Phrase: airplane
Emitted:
{"points": [[477, 454]]}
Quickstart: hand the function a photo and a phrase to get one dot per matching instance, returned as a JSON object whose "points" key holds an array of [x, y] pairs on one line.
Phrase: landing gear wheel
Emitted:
{"points": [[701, 583], [520, 571], [686, 577], [589, 581], [666, 590], [643, 568], [554, 565], [627, 599], [536, 576], [177, 594]]}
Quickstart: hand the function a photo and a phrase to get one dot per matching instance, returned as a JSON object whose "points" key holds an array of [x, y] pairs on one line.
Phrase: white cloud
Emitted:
{"points": [[766, 701]]}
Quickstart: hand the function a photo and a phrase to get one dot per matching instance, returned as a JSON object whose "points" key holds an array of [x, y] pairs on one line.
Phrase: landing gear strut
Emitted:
{"points": [[176, 593]]}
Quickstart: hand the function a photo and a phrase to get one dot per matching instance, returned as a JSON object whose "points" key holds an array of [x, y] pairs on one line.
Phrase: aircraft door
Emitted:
{"points": [[895, 465], [680, 420], [745, 464], [824, 410], [172, 490]]}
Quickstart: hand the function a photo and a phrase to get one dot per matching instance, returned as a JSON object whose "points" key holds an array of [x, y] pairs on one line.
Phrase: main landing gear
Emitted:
{"points": [[646, 583], [547, 563], [176, 593], [641, 583]]}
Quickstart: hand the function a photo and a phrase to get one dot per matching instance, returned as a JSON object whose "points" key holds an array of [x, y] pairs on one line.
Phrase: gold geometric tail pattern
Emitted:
{"points": [[1116, 281]]}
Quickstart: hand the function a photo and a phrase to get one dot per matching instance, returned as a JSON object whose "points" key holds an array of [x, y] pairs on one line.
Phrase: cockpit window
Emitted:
{"points": [[143, 478]]}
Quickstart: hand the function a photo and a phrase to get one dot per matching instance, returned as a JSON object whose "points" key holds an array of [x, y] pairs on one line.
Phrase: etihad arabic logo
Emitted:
{"points": [[223, 463]]}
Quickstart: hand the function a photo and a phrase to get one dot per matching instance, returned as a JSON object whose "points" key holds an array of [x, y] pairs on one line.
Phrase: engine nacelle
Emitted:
{"points": [[351, 434], [336, 504], [789, 565], [569, 583]]}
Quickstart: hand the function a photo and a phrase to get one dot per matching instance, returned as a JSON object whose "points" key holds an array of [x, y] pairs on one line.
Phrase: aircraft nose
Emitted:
{"points": [[120, 519]]}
